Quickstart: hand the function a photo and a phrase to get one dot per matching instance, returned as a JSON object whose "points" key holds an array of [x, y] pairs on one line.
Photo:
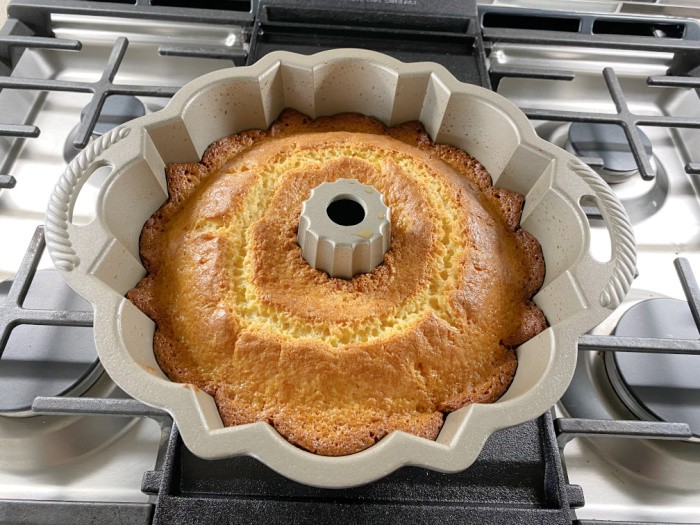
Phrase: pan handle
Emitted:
{"points": [[624, 253], [64, 196]]}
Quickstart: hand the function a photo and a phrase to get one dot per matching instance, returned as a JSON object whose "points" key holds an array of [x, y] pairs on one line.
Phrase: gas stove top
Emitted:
{"points": [[618, 90]]}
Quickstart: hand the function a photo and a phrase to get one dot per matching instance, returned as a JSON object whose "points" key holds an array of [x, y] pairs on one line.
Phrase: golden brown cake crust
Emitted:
{"points": [[334, 365]]}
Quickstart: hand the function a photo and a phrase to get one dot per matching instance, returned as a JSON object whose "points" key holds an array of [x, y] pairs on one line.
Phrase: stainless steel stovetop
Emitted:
{"points": [[79, 458]]}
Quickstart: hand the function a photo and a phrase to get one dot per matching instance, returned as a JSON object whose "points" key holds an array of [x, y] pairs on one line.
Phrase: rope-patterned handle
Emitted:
{"points": [[57, 238], [624, 252]]}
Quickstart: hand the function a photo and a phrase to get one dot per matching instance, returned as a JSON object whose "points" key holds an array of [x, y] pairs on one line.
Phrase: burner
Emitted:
{"points": [[609, 143], [46, 360], [593, 394], [658, 386], [117, 110], [641, 198]]}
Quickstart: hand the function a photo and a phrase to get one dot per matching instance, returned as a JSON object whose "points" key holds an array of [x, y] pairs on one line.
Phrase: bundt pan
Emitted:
{"points": [[100, 260]]}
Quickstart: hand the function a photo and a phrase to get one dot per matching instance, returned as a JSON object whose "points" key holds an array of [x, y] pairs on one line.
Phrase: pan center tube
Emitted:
{"points": [[344, 228]]}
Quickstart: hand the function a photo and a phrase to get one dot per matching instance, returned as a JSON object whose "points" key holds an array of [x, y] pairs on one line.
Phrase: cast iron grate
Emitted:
{"points": [[502, 25], [517, 478], [106, 513], [12, 314], [600, 343], [8, 43], [508, 26], [236, 55], [178, 475], [100, 89], [624, 118]]}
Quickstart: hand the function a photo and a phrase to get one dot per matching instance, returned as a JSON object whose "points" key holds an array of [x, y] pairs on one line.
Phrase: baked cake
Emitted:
{"points": [[334, 365]]}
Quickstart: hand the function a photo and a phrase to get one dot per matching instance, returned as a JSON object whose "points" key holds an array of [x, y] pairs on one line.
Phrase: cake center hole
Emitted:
{"points": [[346, 212]]}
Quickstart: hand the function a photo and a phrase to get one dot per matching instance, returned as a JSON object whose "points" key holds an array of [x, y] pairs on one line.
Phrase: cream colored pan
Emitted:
{"points": [[101, 260]]}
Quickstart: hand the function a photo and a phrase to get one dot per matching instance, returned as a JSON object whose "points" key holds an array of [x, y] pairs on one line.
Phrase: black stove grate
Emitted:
{"points": [[517, 479], [8, 44], [503, 25], [602, 343], [13, 314], [443, 32], [100, 90], [237, 56], [40, 512], [13, 40], [624, 118]]}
